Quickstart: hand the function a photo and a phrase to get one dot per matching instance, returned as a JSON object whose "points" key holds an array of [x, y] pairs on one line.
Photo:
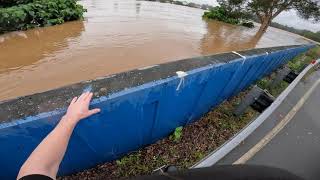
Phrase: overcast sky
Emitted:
{"points": [[289, 18]]}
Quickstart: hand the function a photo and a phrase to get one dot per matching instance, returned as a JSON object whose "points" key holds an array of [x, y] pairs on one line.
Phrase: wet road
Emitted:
{"points": [[117, 36], [296, 147]]}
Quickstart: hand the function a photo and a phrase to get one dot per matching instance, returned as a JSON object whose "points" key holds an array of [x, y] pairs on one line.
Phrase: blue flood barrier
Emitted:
{"points": [[137, 107]]}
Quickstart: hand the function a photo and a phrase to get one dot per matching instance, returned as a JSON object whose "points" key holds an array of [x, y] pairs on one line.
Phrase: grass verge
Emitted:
{"points": [[297, 65]]}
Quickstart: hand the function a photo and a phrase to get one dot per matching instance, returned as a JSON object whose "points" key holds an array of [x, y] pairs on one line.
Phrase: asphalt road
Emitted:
{"points": [[297, 146]]}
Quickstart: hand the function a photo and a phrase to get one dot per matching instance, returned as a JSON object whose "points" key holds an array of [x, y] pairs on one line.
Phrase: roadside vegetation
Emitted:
{"points": [[25, 14], [187, 145], [300, 61], [296, 65]]}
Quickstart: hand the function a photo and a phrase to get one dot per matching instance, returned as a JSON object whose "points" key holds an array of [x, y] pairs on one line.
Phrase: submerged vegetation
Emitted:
{"points": [[9, 3], [26, 14], [220, 13], [265, 11]]}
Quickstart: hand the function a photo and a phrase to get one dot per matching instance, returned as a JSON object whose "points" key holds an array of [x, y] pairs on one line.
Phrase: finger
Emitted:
{"points": [[89, 97], [74, 100], [94, 111], [83, 95], [87, 100], [86, 96]]}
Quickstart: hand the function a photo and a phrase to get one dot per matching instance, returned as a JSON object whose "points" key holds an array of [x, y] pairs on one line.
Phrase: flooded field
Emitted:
{"points": [[115, 36]]}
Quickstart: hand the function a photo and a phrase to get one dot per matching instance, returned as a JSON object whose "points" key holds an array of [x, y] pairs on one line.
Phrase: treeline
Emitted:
{"points": [[306, 33], [183, 3], [219, 14]]}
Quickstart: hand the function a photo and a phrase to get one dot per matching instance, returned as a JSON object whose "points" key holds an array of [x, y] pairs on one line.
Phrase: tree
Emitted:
{"points": [[266, 10]]}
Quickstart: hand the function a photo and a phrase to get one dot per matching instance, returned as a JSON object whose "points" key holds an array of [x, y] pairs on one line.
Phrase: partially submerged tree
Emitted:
{"points": [[266, 10]]}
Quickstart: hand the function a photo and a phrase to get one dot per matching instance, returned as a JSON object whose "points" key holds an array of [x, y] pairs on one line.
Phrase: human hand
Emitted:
{"points": [[79, 108]]}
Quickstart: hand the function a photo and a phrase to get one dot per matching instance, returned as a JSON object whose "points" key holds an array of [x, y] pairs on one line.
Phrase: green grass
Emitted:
{"points": [[176, 136], [297, 64], [300, 61]]}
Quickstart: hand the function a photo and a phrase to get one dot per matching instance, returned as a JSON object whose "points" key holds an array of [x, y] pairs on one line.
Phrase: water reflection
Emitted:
{"points": [[19, 49], [117, 36], [222, 37]]}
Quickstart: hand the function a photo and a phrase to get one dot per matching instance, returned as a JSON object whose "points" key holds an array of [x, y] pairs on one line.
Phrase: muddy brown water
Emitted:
{"points": [[117, 36]]}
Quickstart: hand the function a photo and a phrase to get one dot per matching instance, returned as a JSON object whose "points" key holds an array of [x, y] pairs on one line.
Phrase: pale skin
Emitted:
{"points": [[46, 158]]}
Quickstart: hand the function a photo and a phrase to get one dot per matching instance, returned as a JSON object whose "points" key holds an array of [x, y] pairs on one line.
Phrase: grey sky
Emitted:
{"points": [[289, 18]]}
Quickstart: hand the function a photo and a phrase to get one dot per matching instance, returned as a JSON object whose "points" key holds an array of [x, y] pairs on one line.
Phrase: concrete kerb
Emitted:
{"points": [[228, 146]]}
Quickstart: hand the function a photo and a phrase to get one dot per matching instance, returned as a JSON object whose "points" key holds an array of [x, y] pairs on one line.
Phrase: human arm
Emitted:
{"points": [[46, 158]]}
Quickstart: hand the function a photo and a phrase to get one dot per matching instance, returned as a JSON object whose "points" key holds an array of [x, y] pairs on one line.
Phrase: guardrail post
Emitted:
{"points": [[257, 98], [281, 74], [253, 94]]}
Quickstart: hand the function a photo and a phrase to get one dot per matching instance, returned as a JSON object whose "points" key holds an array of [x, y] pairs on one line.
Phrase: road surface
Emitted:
{"points": [[296, 147]]}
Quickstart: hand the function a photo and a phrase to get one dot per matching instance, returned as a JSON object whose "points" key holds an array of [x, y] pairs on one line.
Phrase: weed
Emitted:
{"points": [[177, 134], [129, 159]]}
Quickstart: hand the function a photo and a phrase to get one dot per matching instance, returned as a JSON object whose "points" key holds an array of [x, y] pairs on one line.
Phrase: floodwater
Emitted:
{"points": [[116, 36]]}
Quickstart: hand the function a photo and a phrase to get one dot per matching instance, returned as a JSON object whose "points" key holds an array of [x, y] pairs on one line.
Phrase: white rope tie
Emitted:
{"points": [[244, 58], [234, 52], [181, 75]]}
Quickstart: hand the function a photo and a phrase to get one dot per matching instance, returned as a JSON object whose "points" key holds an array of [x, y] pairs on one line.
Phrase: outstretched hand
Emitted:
{"points": [[46, 158], [79, 108]]}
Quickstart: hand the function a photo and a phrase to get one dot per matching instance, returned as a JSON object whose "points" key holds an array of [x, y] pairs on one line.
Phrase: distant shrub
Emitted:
{"points": [[177, 2], [39, 13], [248, 24], [221, 14]]}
